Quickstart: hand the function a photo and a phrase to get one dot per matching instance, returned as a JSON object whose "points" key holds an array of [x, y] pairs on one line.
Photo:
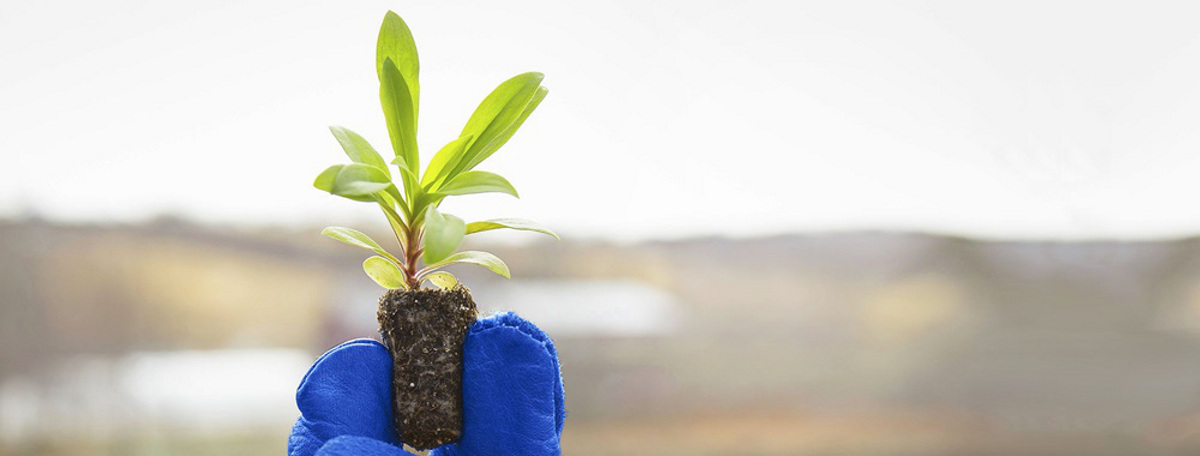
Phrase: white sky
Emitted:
{"points": [[999, 119]]}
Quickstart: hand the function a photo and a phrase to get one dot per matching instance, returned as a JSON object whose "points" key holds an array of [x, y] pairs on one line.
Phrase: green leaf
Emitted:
{"points": [[400, 115], [384, 272], [355, 181], [499, 141], [495, 114], [388, 204], [396, 43], [358, 149], [403, 165], [358, 239], [477, 182], [443, 280], [400, 162], [425, 200], [325, 180], [510, 223], [444, 162], [484, 259], [391, 199], [443, 234]]}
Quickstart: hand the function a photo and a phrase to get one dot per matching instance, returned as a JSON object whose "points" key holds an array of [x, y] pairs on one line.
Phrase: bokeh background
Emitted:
{"points": [[789, 228]]}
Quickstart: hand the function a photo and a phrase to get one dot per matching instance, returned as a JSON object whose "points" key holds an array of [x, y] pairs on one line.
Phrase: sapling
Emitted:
{"points": [[422, 327]]}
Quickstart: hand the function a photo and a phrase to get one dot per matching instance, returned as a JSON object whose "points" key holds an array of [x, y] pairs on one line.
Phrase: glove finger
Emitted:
{"points": [[346, 392], [512, 390], [360, 446], [302, 442]]}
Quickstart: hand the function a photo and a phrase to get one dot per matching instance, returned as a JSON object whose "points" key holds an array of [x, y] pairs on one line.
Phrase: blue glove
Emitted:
{"points": [[512, 397]]}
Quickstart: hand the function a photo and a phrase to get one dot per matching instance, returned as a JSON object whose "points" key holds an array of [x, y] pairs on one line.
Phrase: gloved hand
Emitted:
{"points": [[512, 397]]}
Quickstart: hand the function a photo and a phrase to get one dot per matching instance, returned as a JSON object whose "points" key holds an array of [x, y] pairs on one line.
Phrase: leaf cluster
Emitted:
{"points": [[428, 239]]}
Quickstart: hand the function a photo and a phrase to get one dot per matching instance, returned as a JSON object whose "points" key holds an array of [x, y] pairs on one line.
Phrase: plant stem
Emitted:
{"points": [[412, 255]]}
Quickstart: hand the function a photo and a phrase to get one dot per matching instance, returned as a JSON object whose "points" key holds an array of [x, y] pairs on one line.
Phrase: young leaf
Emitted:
{"points": [[443, 280], [384, 272], [358, 239], [495, 113], [388, 204], [484, 259], [356, 181], [443, 162], [404, 168], [488, 149], [400, 115], [396, 43], [426, 199], [400, 162], [358, 149], [510, 223], [325, 180], [391, 199], [443, 233], [477, 182]]}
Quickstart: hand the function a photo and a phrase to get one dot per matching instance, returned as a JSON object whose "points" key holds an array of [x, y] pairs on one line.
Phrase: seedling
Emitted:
{"points": [[424, 327]]}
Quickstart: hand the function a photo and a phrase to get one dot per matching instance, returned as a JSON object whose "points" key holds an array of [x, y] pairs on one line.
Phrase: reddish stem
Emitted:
{"points": [[412, 256]]}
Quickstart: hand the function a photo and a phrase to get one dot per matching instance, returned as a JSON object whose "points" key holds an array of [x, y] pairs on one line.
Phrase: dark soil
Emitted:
{"points": [[424, 331]]}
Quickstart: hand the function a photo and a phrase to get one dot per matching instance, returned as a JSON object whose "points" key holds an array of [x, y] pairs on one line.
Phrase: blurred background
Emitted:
{"points": [[789, 228]]}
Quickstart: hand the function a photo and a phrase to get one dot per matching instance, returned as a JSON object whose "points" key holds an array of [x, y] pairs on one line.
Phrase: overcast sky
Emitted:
{"points": [[999, 119]]}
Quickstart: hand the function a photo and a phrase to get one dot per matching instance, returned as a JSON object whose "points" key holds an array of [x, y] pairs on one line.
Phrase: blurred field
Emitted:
{"points": [[174, 339]]}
